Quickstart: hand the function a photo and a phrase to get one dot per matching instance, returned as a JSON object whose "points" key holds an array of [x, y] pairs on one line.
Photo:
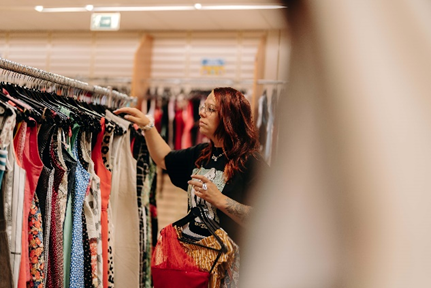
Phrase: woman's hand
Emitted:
{"points": [[211, 194], [134, 115], [156, 145], [238, 212]]}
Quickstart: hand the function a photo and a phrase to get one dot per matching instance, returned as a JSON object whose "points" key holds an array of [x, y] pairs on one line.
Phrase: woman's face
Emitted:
{"points": [[209, 117]]}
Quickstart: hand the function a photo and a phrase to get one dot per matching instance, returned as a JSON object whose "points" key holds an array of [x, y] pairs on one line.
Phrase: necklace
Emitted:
{"points": [[215, 158]]}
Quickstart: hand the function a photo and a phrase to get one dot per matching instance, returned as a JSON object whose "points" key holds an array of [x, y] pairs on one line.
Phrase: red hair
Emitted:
{"points": [[236, 130]]}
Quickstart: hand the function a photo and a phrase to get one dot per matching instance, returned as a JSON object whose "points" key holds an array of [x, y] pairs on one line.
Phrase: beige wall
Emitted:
{"points": [[90, 55]]}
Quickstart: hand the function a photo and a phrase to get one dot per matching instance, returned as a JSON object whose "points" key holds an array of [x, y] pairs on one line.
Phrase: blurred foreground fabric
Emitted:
{"points": [[348, 203]]}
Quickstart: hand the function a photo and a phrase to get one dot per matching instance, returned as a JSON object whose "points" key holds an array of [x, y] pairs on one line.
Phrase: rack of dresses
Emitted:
{"points": [[64, 219], [174, 104]]}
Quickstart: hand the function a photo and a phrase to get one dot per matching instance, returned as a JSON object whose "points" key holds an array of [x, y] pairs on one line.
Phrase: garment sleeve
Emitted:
{"points": [[180, 164]]}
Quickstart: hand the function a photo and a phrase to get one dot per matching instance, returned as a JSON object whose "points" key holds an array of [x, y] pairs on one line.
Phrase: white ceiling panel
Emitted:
{"points": [[20, 15]]}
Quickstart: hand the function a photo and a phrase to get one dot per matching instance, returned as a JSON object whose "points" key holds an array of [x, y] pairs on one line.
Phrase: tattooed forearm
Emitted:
{"points": [[242, 212]]}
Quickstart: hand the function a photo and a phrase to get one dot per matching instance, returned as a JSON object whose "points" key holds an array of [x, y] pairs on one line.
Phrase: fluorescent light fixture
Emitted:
{"points": [[242, 7], [143, 8], [196, 6], [64, 9]]}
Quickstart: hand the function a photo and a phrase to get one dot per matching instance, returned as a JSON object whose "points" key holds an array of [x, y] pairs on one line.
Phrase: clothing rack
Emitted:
{"points": [[213, 81], [64, 81]]}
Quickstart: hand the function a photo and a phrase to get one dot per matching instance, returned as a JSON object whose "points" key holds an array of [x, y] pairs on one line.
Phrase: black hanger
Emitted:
{"points": [[201, 212], [22, 113]]}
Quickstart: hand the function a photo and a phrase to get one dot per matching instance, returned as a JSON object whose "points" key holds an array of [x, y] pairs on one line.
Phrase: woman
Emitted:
{"points": [[218, 174]]}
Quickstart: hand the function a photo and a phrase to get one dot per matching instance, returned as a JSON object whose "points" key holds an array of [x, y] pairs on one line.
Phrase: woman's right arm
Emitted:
{"points": [[157, 146]]}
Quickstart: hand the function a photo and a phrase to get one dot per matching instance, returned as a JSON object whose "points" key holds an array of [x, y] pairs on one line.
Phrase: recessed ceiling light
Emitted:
{"points": [[38, 8], [198, 6], [89, 7]]}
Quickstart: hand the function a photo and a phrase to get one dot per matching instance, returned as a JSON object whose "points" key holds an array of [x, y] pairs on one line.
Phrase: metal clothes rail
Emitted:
{"points": [[64, 81]]}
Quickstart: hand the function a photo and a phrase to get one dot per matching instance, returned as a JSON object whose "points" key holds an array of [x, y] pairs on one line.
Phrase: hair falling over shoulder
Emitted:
{"points": [[236, 129]]}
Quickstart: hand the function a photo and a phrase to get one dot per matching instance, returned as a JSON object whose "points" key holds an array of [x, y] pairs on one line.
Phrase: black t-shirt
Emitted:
{"points": [[180, 165]]}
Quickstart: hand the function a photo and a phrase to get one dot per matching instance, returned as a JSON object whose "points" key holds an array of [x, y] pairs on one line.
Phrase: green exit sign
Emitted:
{"points": [[105, 21]]}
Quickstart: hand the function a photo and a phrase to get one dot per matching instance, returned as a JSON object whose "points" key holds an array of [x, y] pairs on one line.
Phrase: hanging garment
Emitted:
{"points": [[13, 186], [6, 137], [270, 127], [171, 116], [150, 217], [36, 246], [81, 185], [68, 218], [263, 106], [29, 157], [105, 188], [125, 216], [35, 221], [142, 156], [55, 273], [164, 132], [195, 130], [92, 205], [88, 271], [204, 258], [179, 127], [88, 277], [5, 265], [158, 119], [45, 187], [189, 122], [106, 155], [171, 266]]}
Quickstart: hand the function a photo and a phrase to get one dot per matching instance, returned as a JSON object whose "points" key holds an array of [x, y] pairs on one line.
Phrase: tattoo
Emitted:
{"points": [[239, 210]]}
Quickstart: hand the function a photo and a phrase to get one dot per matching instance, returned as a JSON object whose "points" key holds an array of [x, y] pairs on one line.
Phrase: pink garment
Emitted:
{"points": [[189, 122]]}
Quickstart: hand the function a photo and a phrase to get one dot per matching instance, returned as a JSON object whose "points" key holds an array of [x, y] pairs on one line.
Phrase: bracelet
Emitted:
{"points": [[149, 125]]}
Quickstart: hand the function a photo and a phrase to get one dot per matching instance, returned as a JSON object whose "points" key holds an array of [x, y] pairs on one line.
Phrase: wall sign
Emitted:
{"points": [[212, 66], [105, 21]]}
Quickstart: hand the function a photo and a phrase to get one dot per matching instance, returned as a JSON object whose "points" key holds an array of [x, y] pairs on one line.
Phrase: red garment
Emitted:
{"points": [[28, 158], [167, 278], [158, 119], [105, 188], [189, 122], [172, 267]]}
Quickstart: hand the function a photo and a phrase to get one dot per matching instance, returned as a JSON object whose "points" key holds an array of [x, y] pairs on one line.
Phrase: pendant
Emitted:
{"points": [[215, 158]]}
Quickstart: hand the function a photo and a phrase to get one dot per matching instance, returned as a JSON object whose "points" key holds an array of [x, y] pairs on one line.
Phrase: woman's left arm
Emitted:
{"points": [[235, 210]]}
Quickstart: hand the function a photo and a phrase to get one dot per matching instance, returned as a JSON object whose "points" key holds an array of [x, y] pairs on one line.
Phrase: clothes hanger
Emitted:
{"points": [[42, 110], [201, 212], [25, 111]]}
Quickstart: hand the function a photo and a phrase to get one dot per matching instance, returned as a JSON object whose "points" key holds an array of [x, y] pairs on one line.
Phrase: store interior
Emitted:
{"points": [[140, 54], [153, 51], [348, 202]]}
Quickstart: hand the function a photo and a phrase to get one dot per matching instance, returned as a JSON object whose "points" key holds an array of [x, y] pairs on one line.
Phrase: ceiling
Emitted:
{"points": [[21, 16]]}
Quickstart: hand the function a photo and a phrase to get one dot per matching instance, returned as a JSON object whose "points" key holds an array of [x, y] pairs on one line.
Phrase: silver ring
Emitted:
{"points": [[204, 186]]}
